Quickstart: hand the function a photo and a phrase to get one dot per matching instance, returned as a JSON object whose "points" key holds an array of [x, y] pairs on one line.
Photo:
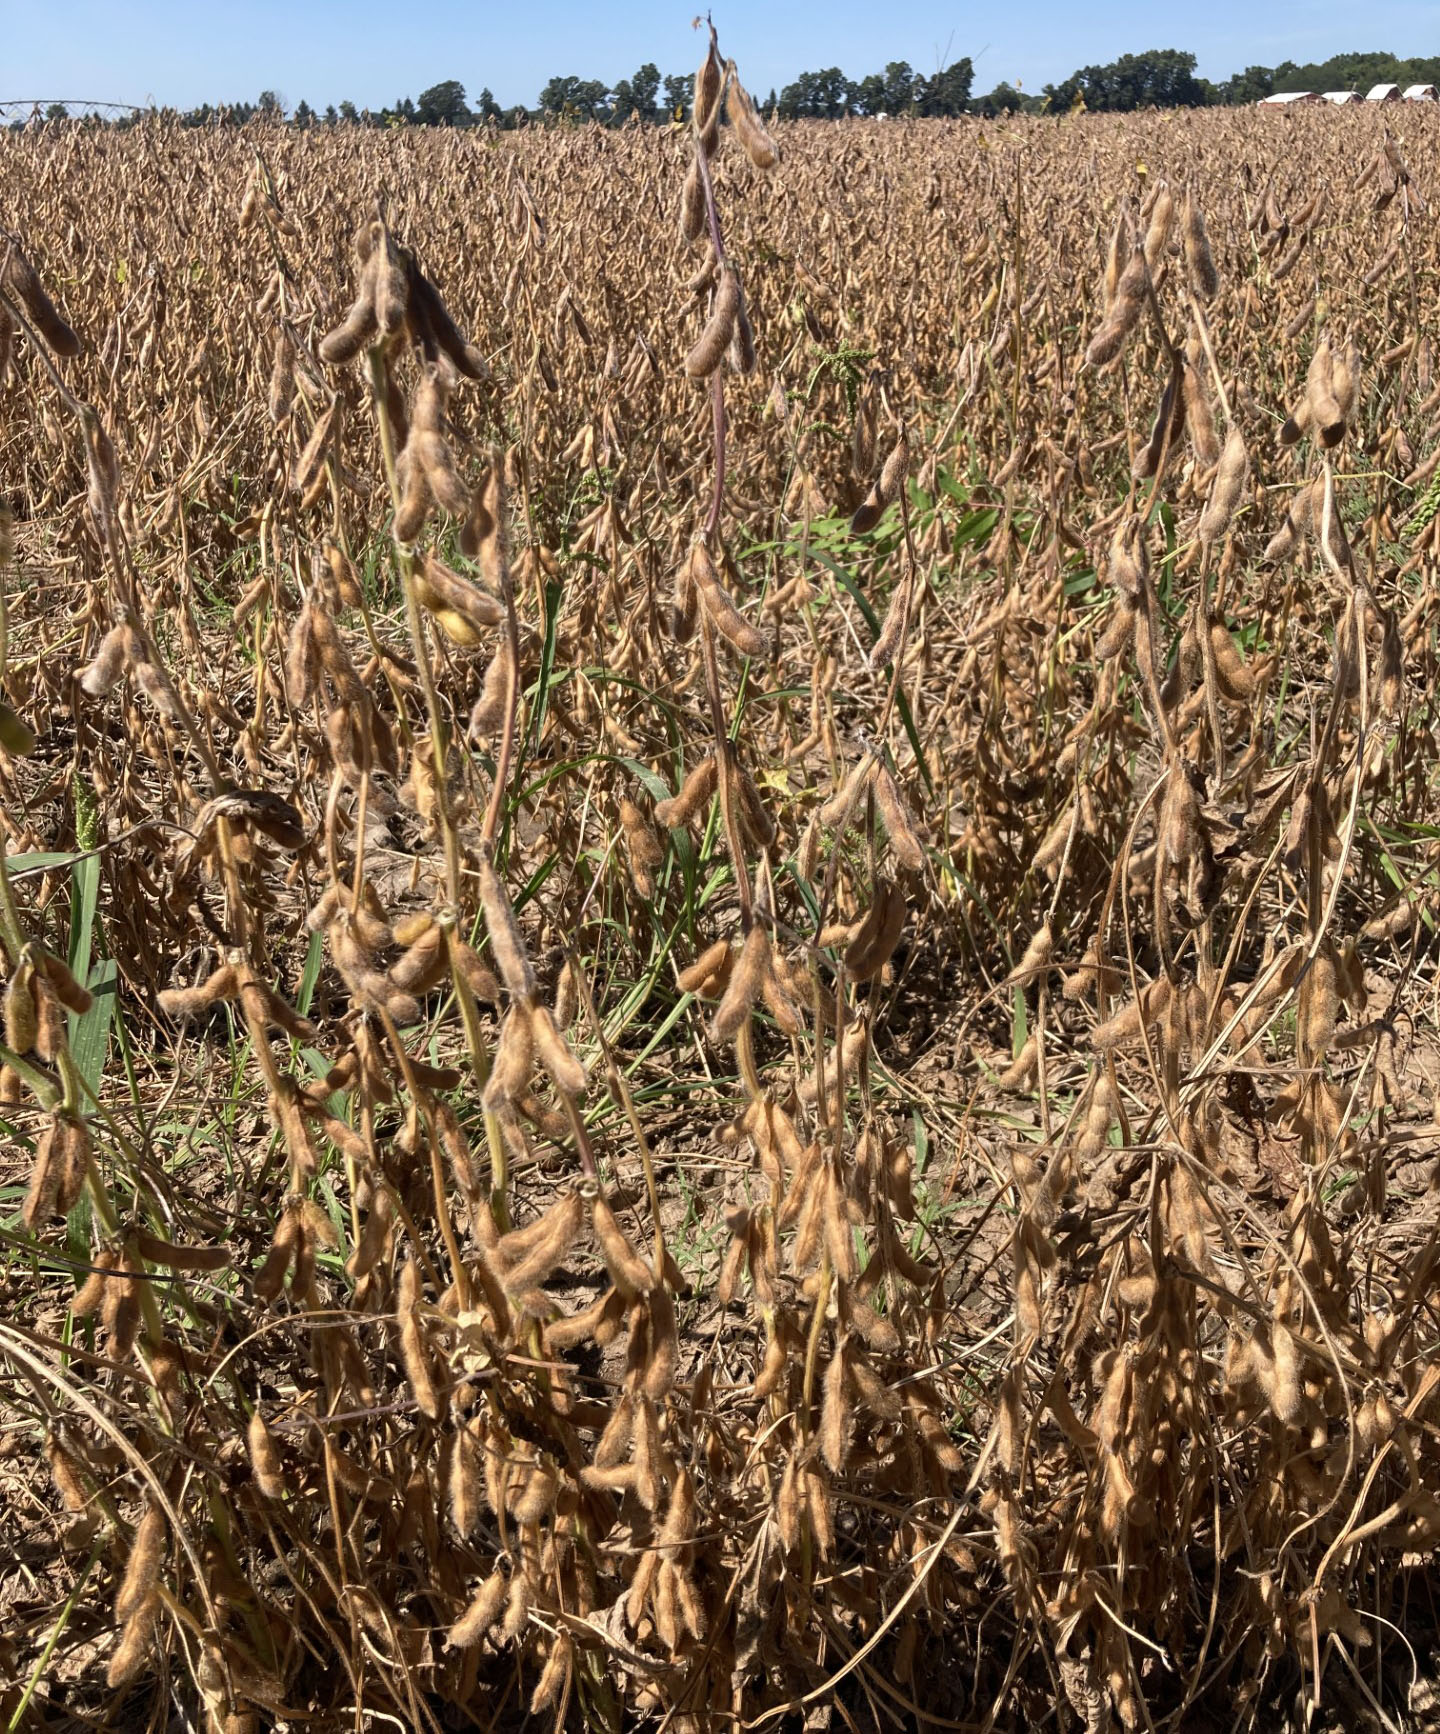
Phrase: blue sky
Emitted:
{"points": [[184, 52]]}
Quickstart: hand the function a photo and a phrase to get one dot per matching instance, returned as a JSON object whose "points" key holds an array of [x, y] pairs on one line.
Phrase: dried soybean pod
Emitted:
{"points": [[505, 938], [156, 1249], [264, 1457], [1319, 1003], [311, 460], [692, 207], [749, 128], [271, 1276], [71, 994], [597, 1323], [1325, 412], [1345, 378], [1131, 294], [439, 586], [836, 1411], [114, 655], [391, 279], [553, 1052], [709, 348], [1226, 489], [358, 326], [1199, 417], [554, 1676], [481, 1614], [896, 819], [43, 1193], [1236, 682], [684, 605], [886, 490], [628, 1271], [1119, 630], [72, 1158], [874, 945], [21, 1020], [642, 847], [746, 981], [66, 1472], [709, 83], [710, 963], [91, 1293], [431, 314], [531, 1253], [488, 713], [846, 798], [759, 827], [1169, 419], [721, 610], [514, 1060], [1157, 236], [1199, 260], [414, 498], [741, 355], [695, 792], [413, 1355], [425, 963], [1115, 256], [134, 1645], [142, 1568], [477, 978], [1296, 424], [282, 377], [22, 279], [664, 1345]]}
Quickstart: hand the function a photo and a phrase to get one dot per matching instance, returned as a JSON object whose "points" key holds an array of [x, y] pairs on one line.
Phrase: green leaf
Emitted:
{"points": [[553, 592], [90, 1031], [86, 880], [314, 957], [39, 861]]}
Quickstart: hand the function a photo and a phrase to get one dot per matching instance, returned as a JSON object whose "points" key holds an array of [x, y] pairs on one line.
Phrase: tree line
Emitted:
{"points": [[1158, 78]]}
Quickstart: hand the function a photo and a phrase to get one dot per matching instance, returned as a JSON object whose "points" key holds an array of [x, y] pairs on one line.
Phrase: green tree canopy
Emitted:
{"points": [[443, 105], [637, 95], [679, 92], [1159, 78]]}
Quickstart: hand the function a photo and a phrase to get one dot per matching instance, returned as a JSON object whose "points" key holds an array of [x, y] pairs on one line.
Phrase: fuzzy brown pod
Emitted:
{"points": [[709, 348], [506, 940], [642, 847], [435, 331], [874, 942], [1227, 488], [697, 791], [23, 281], [749, 128], [307, 466], [359, 325], [1132, 291], [628, 1271], [441, 590], [1200, 270], [720, 609], [886, 489]]}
